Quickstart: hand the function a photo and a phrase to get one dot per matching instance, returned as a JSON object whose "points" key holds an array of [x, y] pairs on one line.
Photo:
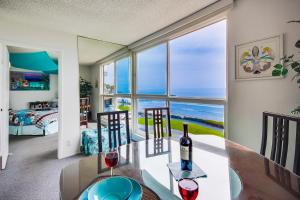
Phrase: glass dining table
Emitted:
{"points": [[233, 171]]}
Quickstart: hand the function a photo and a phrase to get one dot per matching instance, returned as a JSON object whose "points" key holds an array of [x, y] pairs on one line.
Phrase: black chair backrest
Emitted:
{"points": [[157, 115], [113, 127], [280, 139], [158, 147]]}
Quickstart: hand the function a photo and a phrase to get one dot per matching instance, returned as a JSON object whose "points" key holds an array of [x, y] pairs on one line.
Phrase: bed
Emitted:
{"points": [[31, 122]]}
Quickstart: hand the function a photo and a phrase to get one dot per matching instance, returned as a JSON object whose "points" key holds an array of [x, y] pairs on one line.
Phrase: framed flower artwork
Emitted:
{"points": [[256, 59]]}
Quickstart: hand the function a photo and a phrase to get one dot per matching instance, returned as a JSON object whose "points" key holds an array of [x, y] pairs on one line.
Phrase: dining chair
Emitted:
{"points": [[282, 177], [280, 139], [113, 127], [158, 121], [157, 147]]}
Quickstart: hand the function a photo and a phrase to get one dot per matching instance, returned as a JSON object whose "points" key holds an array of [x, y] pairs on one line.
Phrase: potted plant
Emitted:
{"points": [[85, 88], [289, 63]]}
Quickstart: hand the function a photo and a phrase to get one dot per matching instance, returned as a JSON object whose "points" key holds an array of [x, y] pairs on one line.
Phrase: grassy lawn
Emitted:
{"points": [[213, 122], [195, 129], [124, 108]]}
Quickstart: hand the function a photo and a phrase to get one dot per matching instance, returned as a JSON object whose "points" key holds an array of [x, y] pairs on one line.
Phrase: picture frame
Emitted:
{"points": [[255, 60], [29, 81]]}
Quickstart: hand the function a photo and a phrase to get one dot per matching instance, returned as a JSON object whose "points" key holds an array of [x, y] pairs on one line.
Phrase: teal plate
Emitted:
{"points": [[136, 193], [236, 185]]}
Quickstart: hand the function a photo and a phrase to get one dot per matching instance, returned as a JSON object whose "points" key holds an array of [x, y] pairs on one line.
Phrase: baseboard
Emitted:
{"points": [[3, 159]]}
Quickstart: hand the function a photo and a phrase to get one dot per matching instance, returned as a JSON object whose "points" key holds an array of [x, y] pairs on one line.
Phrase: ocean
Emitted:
{"points": [[200, 111], [214, 93], [190, 110], [194, 110], [182, 109]]}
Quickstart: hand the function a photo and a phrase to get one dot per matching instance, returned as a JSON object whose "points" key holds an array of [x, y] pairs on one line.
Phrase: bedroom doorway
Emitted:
{"points": [[33, 103]]}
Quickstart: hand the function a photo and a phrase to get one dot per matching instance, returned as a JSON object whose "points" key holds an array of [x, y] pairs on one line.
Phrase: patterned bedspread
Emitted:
{"points": [[21, 117], [31, 122], [28, 117], [41, 121]]}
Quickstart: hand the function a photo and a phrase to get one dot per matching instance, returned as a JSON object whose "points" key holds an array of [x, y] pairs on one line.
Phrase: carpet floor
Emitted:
{"points": [[33, 170]]}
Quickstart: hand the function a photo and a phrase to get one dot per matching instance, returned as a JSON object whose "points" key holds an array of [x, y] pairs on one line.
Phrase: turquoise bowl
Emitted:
{"points": [[114, 188], [137, 191], [84, 194]]}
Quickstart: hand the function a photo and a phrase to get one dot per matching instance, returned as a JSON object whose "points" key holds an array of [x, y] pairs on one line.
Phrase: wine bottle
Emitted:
{"points": [[186, 150]]}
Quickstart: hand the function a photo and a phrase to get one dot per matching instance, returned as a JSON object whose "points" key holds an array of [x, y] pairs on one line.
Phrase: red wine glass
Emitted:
{"points": [[111, 159], [188, 189]]}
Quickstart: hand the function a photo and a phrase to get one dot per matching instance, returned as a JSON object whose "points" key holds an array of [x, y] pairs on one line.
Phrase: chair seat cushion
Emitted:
{"points": [[89, 140]]}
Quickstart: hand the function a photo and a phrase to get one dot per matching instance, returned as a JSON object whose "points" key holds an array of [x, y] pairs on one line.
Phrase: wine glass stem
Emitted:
{"points": [[111, 171]]}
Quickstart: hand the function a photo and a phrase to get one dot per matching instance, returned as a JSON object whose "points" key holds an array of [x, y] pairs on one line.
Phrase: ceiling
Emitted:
{"points": [[122, 22], [12, 49], [33, 59], [91, 50]]}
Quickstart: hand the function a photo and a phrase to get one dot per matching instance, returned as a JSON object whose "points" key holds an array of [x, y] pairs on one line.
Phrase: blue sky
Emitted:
{"points": [[109, 74], [123, 74], [198, 59], [151, 70], [197, 65]]}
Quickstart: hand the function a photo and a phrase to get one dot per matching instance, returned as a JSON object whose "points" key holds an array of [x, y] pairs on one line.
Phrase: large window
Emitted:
{"points": [[187, 74]]}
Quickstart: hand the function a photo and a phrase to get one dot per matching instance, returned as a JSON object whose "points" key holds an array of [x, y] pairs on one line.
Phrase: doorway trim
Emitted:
{"points": [[60, 59]]}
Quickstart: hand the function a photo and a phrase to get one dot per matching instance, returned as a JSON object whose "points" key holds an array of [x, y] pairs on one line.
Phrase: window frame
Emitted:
{"points": [[133, 83]]}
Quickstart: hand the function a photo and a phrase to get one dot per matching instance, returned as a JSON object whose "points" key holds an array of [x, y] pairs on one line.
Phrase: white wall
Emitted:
{"points": [[20, 99], [85, 72], [16, 34], [251, 20], [4, 91]]}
